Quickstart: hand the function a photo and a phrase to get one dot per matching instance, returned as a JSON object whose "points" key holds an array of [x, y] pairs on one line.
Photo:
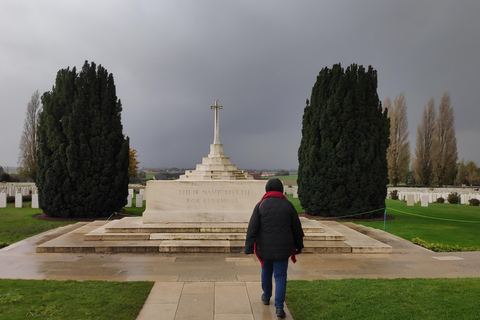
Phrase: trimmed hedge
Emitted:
{"points": [[437, 247], [474, 202]]}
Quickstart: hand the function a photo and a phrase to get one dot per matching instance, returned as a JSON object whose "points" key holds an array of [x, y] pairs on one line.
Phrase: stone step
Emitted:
{"points": [[198, 236], [98, 235], [135, 225], [335, 236], [360, 243], [183, 246], [131, 229], [197, 246]]}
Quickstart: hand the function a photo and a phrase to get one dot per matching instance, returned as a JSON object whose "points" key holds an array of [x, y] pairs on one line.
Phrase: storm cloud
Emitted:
{"points": [[172, 59]]}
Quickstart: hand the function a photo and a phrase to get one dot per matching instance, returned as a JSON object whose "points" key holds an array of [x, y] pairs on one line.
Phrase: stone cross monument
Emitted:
{"points": [[215, 191], [216, 107], [216, 166]]}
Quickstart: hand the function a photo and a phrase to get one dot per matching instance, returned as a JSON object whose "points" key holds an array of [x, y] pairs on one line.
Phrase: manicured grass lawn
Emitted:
{"points": [[17, 223], [442, 223], [288, 180], [399, 298], [42, 299], [438, 223], [149, 175], [372, 299], [136, 211], [296, 203]]}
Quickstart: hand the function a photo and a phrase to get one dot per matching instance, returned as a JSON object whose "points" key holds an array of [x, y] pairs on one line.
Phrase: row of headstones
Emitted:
{"points": [[447, 190], [426, 198], [139, 198], [18, 200], [12, 191], [20, 192]]}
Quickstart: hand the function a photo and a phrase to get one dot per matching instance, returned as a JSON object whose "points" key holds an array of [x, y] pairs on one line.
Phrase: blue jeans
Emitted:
{"points": [[277, 268]]}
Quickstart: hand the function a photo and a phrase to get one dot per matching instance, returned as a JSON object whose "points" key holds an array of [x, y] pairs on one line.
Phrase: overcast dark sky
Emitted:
{"points": [[172, 59]]}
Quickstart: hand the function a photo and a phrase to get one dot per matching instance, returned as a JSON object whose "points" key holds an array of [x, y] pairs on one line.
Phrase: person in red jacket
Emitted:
{"points": [[274, 234]]}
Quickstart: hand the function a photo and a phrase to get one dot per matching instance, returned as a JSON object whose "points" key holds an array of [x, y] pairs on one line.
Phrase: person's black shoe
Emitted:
{"points": [[266, 301], [281, 313]]}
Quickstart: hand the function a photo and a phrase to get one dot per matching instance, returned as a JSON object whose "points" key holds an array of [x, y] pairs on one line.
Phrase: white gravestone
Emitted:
{"points": [[288, 190], [3, 200], [410, 200], [467, 198], [18, 200], [139, 200], [35, 201], [129, 201], [424, 200]]}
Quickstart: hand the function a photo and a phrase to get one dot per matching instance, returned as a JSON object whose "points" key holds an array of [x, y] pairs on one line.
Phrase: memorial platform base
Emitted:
{"points": [[131, 235]]}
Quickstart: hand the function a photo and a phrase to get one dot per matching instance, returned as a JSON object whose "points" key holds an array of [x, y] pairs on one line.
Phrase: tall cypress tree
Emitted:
{"points": [[345, 134], [82, 153]]}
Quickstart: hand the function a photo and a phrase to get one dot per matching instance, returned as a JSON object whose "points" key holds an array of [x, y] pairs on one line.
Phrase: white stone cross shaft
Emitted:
{"points": [[216, 138]]}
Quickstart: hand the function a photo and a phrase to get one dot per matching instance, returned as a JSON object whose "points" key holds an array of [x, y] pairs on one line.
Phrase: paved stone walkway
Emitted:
{"points": [[225, 286]]}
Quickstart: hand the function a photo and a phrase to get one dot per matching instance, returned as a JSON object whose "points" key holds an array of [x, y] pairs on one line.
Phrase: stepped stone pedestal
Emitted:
{"points": [[216, 166]]}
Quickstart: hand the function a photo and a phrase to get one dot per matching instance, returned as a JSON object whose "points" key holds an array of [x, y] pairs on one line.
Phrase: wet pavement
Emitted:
{"points": [[225, 286]]}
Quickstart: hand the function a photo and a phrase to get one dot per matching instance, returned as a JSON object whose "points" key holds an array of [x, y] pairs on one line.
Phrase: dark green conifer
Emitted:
{"points": [[82, 153], [342, 156]]}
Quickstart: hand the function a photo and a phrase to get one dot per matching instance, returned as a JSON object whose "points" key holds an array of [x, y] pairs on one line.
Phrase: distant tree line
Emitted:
{"points": [[436, 145], [467, 174], [282, 172], [436, 150], [7, 177]]}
